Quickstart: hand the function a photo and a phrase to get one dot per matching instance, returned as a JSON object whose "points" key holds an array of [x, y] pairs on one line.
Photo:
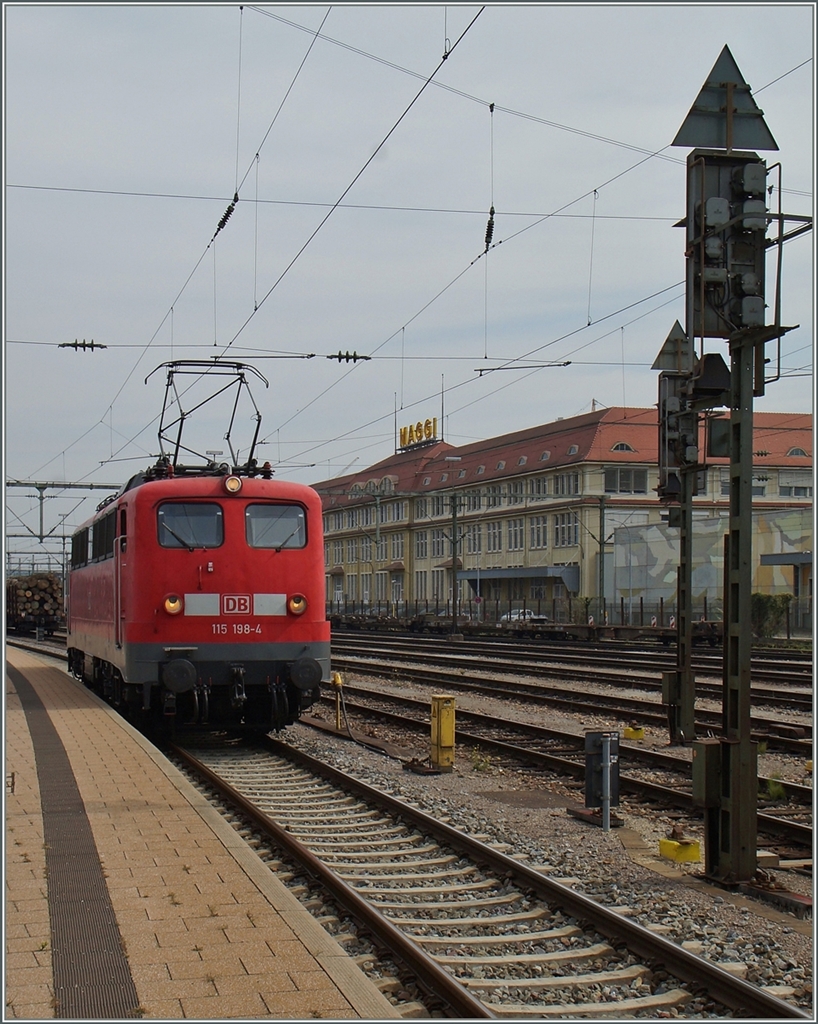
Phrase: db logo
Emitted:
{"points": [[235, 604]]}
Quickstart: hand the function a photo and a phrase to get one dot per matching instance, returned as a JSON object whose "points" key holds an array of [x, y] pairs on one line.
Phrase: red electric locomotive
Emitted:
{"points": [[199, 594]]}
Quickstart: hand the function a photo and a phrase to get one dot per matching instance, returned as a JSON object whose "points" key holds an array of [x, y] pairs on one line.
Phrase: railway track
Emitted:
{"points": [[795, 695], [783, 668], [775, 732], [561, 752], [485, 934]]}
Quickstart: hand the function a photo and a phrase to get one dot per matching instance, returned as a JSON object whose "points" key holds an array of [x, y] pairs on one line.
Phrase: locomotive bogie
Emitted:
{"points": [[202, 599]]}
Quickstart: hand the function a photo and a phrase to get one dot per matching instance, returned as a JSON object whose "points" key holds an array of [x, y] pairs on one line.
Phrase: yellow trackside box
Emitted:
{"points": [[443, 732]]}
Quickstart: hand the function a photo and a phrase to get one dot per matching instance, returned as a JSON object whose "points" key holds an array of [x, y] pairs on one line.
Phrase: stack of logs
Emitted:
{"points": [[39, 596]]}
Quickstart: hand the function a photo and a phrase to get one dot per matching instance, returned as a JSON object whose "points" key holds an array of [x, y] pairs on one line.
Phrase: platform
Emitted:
{"points": [[128, 896]]}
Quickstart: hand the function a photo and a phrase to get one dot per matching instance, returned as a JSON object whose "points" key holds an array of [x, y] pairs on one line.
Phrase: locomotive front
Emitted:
{"points": [[234, 629], [217, 615]]}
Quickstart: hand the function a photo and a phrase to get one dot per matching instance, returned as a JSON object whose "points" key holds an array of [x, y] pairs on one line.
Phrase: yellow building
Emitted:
{"points": [[534, 512]]}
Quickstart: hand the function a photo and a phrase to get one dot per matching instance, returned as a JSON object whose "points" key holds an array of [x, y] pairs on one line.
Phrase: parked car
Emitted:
{"points": [[522, 615]]}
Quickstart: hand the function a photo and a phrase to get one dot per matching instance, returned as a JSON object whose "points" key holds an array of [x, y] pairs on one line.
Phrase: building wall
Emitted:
{"points": [[521, 506]]}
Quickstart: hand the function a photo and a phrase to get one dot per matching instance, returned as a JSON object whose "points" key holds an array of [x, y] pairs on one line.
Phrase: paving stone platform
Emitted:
{"points": [[206, 930]]}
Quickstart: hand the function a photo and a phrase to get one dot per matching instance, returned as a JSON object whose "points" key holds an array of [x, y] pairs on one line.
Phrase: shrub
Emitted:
{"points": [[768, 613]]}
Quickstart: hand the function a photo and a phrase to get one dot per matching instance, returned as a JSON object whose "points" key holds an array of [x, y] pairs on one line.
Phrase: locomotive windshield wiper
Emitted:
{"points": [[173, 533], [289, 535]]}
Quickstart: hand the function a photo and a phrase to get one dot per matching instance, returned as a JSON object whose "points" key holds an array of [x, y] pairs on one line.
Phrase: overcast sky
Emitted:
{"points": [[128, 130]]}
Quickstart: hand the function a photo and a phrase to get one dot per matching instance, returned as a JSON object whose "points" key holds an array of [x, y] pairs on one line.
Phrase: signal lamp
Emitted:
{"points": [[173, 604], [232, 484], [297, 604]]}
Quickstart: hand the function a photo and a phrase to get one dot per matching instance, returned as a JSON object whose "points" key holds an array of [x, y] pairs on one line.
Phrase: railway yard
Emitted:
{"points": [[485, 891]]}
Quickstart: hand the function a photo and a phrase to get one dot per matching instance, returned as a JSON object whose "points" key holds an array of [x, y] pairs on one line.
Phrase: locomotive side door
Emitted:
{"points": [[120, 548]]}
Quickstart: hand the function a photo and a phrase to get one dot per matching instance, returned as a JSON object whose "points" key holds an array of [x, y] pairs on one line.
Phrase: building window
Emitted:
{"points": [[794, 483], [566, 483], [538, 527], [798, 453], [538, 487], [566, 530], [494, 537], [381, 582], [495, 496], [397, 547], [427, 479], [474, 539], [626, 481], [461, 474], [326, 553], [352, 587], [421, 582], [438, 583], [474, 501], [538, 588], [515, 492], [438, 505], [421, 544], [399, 512], [338, 521], [573, 449], [352, 549], [366, 586], [545, 456], [352, 518], [421, 506], [516, 589], [522, 460], [516, 534], [380, 550], [337, 552], [444, 477], [367, 515], [480, 470], [438, 544], [622, 446]]}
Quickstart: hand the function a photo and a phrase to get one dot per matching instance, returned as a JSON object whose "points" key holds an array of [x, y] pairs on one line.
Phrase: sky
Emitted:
{"points": [[365, 166]]}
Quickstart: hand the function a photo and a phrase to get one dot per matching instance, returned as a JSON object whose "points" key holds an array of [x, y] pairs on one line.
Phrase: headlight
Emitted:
{"points": [[173, 604], [232, 484], [297, 604]]}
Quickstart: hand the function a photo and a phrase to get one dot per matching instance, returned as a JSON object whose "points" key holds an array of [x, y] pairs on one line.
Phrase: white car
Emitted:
{"points": [[517, 615]]}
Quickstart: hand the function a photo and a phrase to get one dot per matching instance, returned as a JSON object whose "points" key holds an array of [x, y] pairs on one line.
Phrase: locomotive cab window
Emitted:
{"points": [[190, 525], [276, 526]]}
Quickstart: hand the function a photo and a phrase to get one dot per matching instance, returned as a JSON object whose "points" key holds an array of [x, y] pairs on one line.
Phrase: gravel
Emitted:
{"points": [[528, 811]]}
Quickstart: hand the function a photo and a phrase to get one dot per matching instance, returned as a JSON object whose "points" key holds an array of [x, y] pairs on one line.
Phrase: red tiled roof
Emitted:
{"points": [[591, 437]]}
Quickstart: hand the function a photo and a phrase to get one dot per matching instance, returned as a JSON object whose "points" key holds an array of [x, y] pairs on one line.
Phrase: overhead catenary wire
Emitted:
{"points": [[257, 165], [352, 183]]}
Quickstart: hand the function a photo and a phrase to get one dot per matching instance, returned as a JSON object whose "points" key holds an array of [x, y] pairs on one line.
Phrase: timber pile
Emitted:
{"points": [[35, 597]]}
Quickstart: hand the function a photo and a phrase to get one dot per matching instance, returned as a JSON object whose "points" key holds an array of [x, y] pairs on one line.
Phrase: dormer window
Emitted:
{"points": [[545, 456], [797, 453], [573, 449], [427, 480], [501, 464], [461, 474], [522, 460], [480, 470], [622, 446]]}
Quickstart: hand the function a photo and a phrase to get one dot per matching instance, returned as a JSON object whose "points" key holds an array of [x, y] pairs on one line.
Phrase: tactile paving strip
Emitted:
{"points": [[92, 978]]}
